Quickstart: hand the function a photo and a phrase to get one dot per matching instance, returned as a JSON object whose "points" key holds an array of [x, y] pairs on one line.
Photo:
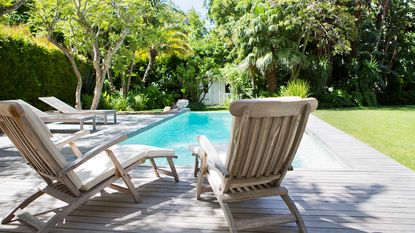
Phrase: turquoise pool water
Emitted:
{"points": [[181, 131]]}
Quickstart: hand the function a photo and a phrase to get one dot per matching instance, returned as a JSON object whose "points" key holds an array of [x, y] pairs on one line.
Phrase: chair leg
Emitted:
{"points": [[121, 173], [291, 206], [199, 186], [196, 170], [115, 118], [94, 124], [201, 177], [64, 211], [172, 173], [229, 217], [154, 165], [131, 188], [173, 169], [22, 205]]}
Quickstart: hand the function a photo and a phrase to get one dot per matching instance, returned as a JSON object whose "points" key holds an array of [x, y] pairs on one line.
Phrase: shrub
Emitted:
{"points": [[157, 98], [30, 68], [86, 101], [197, 106], [296, 88], [335, 98], [139, 102]]}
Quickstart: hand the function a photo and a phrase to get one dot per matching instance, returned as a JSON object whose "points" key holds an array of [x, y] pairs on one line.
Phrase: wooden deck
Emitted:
{"points": [[371, 194]]}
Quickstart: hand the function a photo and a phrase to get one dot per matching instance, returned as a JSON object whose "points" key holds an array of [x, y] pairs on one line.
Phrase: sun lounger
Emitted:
{"points": [[65, 108], [72, 182]]}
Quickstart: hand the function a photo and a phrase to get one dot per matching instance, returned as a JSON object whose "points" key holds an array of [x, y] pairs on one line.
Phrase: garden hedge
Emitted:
{"points": [[29, 70]]}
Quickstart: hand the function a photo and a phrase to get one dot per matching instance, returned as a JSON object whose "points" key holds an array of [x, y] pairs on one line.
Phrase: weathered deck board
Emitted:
{"points": [[371, 194]]}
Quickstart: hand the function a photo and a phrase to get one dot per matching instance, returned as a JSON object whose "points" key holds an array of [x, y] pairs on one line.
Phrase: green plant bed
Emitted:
{"points": [[389, 129]]}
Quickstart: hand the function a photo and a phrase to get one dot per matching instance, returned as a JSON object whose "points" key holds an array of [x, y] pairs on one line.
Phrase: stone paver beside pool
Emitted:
{"points": [[370, 193]]}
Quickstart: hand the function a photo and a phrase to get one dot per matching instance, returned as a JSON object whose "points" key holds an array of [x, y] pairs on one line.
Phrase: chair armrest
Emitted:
{"points": [[90, 154], [212, 155], [59, 144]]}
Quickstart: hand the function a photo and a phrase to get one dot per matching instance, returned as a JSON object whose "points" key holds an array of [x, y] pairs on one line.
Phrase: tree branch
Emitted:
{"points": [[15, 6]]}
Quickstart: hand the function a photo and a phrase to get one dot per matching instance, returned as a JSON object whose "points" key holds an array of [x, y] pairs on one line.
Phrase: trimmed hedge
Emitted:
{"points": [[29, 69]]}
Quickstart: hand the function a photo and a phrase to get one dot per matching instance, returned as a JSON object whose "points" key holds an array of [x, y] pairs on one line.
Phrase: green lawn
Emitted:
{"points": [[390, 130]]}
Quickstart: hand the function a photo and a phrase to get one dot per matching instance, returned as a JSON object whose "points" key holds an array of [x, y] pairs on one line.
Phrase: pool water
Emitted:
{"points": [[181, 131]]}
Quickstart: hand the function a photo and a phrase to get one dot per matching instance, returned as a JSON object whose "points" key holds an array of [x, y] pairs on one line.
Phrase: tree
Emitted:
{"points": [[7, 7], [258, 43], [52, 18], [196, 75], [164, 35], [106, 27], [277, 35], [126, 58]]}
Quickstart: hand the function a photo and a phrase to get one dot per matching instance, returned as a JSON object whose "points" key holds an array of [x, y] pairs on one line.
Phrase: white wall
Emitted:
{"points": [[216, 94]]}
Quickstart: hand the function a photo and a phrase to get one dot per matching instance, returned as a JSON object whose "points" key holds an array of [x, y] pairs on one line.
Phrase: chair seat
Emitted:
{"points": [[101, 167]]}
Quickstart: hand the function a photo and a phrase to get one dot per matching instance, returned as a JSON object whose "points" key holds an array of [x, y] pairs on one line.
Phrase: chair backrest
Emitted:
{"points": [[265, 137], [57, 104], [31, 137], [35, 110]]}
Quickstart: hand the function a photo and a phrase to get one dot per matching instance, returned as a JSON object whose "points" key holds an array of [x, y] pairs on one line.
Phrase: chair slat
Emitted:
{"points": [[289, 144], [263, 139], [272, 143], [252, 146]]}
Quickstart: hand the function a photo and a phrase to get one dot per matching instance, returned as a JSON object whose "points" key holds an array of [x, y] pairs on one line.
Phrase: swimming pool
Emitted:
{"points": [[181, 131]]}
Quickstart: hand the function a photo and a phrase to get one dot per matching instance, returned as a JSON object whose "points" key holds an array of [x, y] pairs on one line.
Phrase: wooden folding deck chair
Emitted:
{"points": [[265, 137], [72, 182], [67, 109]]}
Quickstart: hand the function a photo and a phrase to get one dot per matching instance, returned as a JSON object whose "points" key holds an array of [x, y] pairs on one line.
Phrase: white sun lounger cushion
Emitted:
{"points": [[222, 150], [101, 167]]}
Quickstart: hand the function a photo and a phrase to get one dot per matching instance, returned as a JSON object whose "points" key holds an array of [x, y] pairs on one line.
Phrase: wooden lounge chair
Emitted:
{"points": [[265, 137], [65, 108], [80, 119], [72, 182]]}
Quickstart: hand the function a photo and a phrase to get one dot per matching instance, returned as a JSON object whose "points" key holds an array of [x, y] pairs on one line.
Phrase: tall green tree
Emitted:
{"points": [[164, 35], [97, 29], [52, 18]]}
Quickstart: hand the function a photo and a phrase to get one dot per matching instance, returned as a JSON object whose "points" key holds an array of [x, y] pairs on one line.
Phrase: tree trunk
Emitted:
{"points": [[130, 73], [330, 60], [101, 70], [358, 20], [99, 83], [15, 6], [71, 58], [271, 76], [381, 21], [99, 76], [152, 60], [295, 72], [111, 82]]}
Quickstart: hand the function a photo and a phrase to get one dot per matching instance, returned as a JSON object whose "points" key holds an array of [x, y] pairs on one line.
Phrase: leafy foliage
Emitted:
{"points": [[149, 54], [299, 88], [31, 67]]}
